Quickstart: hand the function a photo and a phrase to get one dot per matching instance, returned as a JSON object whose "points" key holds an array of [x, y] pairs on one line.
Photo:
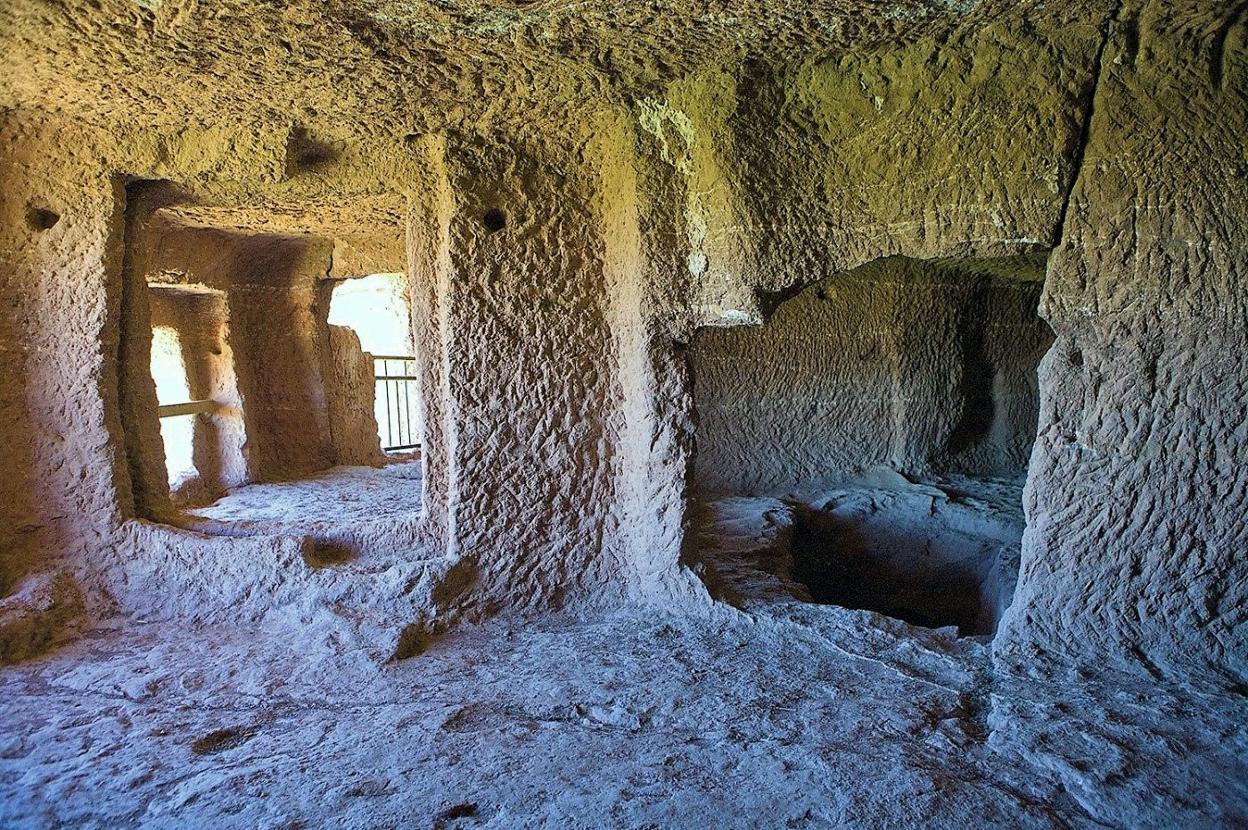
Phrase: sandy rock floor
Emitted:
{"points": [[780, 713], [348, 512], [340, 494], [806, 717]]}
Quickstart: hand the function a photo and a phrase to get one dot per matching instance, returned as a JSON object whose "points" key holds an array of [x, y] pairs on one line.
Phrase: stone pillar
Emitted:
{"points": [[1138, 490], [201, 319], [63, 483], [351, 388], [524, 377], [144, 448], [278, 335], [549, 462]]}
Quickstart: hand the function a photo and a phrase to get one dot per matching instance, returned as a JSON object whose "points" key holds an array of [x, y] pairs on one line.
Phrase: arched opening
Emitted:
{"points": [[891, 411], [198, 403]]}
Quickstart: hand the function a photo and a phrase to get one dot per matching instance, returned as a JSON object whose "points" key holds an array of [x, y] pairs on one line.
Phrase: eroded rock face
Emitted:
{"points": [[41, 610], [1136, 495], [584, 187], [900, 363]]}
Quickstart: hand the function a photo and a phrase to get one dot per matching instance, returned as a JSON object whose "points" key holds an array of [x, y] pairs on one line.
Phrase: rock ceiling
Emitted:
{"points": [[398, 66]]}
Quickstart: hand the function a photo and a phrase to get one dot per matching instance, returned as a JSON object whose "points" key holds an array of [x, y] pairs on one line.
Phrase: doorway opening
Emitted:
{"points": [[247, 396], [376, 309], [176, 409], [892, 409], [197, 400]]}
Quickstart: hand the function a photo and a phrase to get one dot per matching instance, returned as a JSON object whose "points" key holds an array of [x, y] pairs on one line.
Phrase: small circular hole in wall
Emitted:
{"points": [[41, 219], [1075, 358], [494, 220]]}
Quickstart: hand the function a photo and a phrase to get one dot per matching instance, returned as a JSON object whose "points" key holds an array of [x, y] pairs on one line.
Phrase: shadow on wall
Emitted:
{"points": [[20, 516]]}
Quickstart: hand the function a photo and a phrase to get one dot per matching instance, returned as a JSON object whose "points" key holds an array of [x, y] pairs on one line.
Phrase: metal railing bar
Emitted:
{"points": [[406, 435], [397, 414], [389, 430], [398, 409], [172, 410], [395, 383]]}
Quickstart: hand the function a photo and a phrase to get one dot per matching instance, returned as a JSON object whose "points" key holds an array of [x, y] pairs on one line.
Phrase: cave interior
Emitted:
{"points": [[505, 414]]}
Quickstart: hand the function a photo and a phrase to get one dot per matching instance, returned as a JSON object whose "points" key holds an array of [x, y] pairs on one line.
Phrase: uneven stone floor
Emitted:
{"points": [[776, 713], [340, 494], [346, 511], [805, 716]]}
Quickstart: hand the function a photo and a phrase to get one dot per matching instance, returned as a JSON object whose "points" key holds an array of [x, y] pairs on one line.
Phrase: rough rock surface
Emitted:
{"points": [[42, 610], [346, 511], [782, 714], [914, 365], [575, 189], [350, 386], [695, 164]]}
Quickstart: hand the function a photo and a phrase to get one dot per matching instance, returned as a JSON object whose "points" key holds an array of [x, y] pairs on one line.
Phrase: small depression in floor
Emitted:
{"points": [[934, 553]]}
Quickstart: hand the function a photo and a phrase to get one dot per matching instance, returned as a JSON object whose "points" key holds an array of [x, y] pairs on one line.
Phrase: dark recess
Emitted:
{"points": [[41, 219], [843, 565], [305, 153], [494, 220]]}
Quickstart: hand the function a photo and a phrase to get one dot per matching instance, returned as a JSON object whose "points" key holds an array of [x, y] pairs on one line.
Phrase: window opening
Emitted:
{"points": [[176, 408], [375, 308]]}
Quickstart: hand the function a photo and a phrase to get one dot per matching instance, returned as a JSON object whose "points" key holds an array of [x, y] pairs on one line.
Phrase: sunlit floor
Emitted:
{"points": [[346, 510]]}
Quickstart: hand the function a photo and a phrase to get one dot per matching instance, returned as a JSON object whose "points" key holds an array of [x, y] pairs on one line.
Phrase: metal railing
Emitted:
{"points": [[173, 410], [396, 402]]}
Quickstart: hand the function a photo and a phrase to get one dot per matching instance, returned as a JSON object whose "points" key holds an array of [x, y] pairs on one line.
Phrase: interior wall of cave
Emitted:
{"points": [[915, 366], [558, 276], [62, 231]]}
